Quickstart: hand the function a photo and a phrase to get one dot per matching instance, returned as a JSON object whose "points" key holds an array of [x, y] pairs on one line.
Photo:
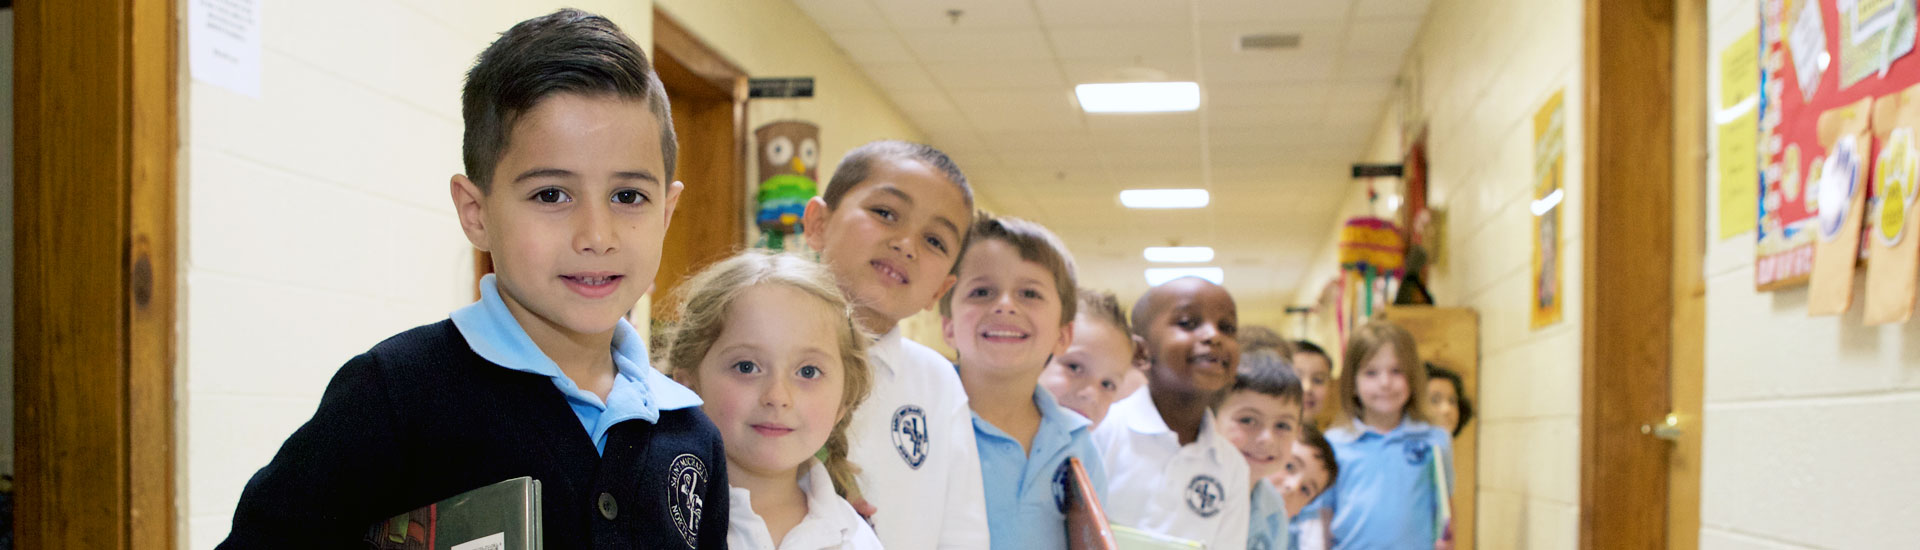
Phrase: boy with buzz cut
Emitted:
{"points": [[890, 225], [569, 154], [1012, 309], [1169, 469]]}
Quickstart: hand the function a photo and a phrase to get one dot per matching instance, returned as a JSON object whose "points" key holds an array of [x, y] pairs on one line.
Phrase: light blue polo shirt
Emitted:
{"points": [[639, 391], [1026, 491], [1267, 529], [1309, 512], [1385, 497]]}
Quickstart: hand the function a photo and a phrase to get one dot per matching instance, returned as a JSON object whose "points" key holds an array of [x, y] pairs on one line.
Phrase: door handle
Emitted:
{"points": [[1667, 429]]}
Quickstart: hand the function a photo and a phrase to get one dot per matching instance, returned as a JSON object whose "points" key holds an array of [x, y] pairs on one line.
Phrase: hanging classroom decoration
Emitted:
{"points": [[1549, 167], [1372, 253], [1894, 273], [789, 163], [1806, 113]]}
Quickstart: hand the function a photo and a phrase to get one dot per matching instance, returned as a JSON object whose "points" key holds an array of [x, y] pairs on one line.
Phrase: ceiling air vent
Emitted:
{"points": [[1269, 41]]}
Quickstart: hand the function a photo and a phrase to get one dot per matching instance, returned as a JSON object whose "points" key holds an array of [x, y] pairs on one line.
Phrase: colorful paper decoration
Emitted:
{"points": [[1892, 274], [789, 162]]}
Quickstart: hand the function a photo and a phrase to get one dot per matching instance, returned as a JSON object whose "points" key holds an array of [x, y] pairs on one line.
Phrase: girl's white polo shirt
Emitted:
{"points": [[1195, 492], [830, 523], [913, 441]]}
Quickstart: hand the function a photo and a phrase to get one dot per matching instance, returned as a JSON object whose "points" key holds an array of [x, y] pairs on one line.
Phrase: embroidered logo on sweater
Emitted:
{"points": [[1417, 450], [1205, 495], [910, 435], [686, 483]]}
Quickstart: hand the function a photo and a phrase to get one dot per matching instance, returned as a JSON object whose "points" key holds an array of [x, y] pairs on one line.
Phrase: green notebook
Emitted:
{"points": [[1135, 539], [501, 516]]}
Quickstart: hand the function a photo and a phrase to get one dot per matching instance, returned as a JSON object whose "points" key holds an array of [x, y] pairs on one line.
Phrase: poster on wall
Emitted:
{"points": [[1892, 276], [1822, 62], [1737, 136], [1549, 165]]}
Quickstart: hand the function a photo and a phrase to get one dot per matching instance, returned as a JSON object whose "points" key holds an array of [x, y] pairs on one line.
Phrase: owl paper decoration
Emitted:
{"points": [[789, 167]]}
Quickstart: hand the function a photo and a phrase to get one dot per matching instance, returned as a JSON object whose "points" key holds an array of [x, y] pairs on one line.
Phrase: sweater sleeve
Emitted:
{"points": [[334, 477], [716, 512]]}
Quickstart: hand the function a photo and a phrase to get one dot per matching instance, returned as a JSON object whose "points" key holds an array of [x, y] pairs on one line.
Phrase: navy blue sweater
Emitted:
{"points": [[421, 417]]}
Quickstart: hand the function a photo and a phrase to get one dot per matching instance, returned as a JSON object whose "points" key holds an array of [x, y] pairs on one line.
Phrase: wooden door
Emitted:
{"points": [[708, 94], [95, 109], [1450, 337]]}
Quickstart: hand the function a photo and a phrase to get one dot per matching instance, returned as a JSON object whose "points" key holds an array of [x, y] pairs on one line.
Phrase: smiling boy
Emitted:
{"points": [[569, 157]]}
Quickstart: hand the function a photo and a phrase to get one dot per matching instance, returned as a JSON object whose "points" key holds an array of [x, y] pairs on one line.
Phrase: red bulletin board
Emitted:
{"points": [[1793, 138]]}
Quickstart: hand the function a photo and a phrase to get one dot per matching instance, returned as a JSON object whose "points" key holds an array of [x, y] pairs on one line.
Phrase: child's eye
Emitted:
{"points": [[745, 367], [1075, 367], [979, 292], [1290, 467], [1227, 327], [1030, 294], [1246, 420], [937, 244], [811, 372], [551, 195], [1283, 426], [882, 212], [1109, 385], [1187, 323], [628, 196]]}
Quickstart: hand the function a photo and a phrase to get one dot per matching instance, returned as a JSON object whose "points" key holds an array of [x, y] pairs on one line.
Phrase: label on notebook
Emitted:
{"points": [[496, 541]]}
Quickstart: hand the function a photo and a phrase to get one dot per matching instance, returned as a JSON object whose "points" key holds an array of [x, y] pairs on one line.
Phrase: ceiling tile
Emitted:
{"points": [[980, 45], [992, 75], [1223, 39], [1302, 95], [941, 123], [1390, 8], [1122, 42], [1127, 69], [974, 14], [923, 102], [1287, 68], [843, 15], [899, 76], [1042, 142], [1145, 123], [872, 46], [1390, 36], [1104, 13], [1279, 119], [1273, 10]]}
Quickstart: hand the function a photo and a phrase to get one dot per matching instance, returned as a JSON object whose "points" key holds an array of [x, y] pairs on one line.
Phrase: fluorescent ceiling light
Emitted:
{"points": [[1159, 275], [1179, 254], [1164, 198], [1138, 97]]}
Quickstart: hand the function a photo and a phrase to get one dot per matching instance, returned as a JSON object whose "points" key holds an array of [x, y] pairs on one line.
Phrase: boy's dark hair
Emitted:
{"points": [[858, 165], [1304, 346], [1436, 372], [567, 51], [1313, 438], [1261, 337], [1035, 244], [1266, 373]]}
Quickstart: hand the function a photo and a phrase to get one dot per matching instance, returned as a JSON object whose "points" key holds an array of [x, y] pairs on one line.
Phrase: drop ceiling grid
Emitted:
{"points": [[994, 88]]}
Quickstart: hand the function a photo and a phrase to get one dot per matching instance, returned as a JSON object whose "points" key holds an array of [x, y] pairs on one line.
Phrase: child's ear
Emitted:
{"points": [[673, 200], [1066, 340], [945, 285], [814, 219], [469, 203], [946, 331]]}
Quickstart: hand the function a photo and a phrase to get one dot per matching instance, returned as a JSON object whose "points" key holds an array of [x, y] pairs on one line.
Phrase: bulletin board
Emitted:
{"points": [[1824, 62]]}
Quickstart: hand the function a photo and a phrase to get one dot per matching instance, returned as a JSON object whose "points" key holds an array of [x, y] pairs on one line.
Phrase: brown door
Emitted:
{"points": [[709, 107]]}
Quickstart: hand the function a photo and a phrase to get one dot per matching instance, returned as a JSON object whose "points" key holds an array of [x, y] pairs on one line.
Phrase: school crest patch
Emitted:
{"points": [[1060, 477], [1417, 449], [1205, 495], [910, 435], [686, 483]]}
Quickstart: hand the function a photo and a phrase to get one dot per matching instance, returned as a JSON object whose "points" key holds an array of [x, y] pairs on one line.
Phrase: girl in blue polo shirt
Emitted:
{"points": [[1011, 309], [1387, 496]]}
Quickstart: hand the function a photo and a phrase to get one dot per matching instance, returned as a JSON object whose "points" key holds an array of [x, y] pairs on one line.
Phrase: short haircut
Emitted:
{"points": [[1102, 306], [1306, 346], [1436, 372], [857, 166], [1261, 337], [567, 51], [1318, 441], [706, 300], [1361, 347], [1266, 373], [1036, 244]]}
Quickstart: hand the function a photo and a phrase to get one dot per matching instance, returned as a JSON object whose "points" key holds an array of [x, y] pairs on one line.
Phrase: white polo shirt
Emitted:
{"points": [[830, 522], [913, 441], [1196, 492]]}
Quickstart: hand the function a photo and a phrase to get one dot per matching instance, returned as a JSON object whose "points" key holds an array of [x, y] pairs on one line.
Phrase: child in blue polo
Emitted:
{"points": [[569, 154], [1386, 449], [1010, 311], [1261, 416]]}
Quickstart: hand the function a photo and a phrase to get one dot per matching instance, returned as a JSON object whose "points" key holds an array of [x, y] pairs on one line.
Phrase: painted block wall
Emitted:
{"points": [[1808, 437], [1475, 76]]}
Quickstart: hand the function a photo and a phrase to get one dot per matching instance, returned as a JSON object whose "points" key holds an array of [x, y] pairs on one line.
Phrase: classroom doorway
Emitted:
{"points": [[1643, 332], [709, 98]]}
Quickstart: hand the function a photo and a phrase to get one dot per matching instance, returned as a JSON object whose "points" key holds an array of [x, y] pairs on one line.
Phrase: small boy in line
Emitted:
{"points": [[1308, 474], [569, 152], [1087, 378], [890, 225], [1169, 470], [1012, 309], [1261, 416]]}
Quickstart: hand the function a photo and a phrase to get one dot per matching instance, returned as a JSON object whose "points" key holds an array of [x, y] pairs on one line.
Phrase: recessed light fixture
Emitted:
{"points": [[1178, 254], [1164, 198], [1138, 97], [1160, 275]]}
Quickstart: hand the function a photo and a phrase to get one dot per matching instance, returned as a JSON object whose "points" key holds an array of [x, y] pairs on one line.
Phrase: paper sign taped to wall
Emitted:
{"points": [[1738, 77], [223, 44], [1736, 160]]}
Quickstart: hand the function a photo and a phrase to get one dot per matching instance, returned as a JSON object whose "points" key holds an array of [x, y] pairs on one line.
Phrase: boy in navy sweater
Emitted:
{"points": [[569, 153]]}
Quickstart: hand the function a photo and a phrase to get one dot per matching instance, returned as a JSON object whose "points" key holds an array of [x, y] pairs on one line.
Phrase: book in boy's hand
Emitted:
{"points": [[1135, 539], [501, 516], [1087, 527]]}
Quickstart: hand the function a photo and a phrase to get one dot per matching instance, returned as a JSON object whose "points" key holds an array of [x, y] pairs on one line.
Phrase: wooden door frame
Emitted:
{"points": [[1643, 295], [96, 135], [685, 61]]}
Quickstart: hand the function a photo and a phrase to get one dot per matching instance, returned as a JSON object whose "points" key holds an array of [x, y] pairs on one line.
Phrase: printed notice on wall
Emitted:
{"points": [[1739, 176], [223, 44]]}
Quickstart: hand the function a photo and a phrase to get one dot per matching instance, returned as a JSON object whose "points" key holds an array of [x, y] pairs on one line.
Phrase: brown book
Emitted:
{"points": [[1087, 527]]}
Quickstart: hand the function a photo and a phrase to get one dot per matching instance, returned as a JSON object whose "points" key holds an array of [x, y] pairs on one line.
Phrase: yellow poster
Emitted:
{"points": [[1736, 160], [1549, 165], [1740, 69]]}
